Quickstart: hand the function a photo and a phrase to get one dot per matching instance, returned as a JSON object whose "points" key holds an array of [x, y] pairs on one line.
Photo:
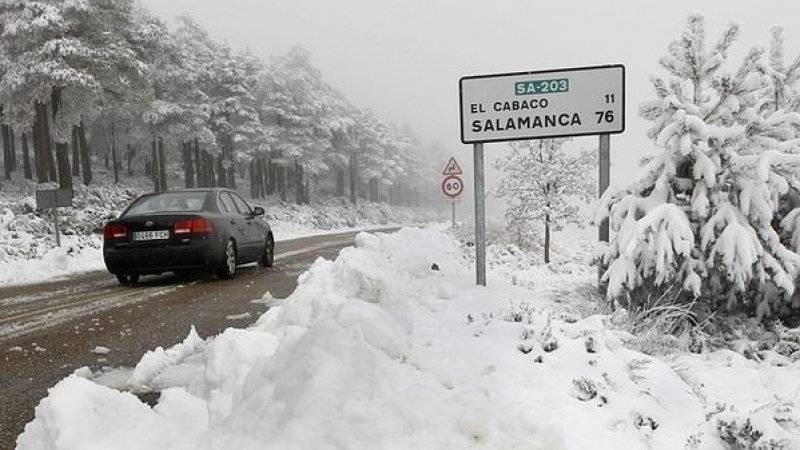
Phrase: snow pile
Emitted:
{"points": [[378, 349]]}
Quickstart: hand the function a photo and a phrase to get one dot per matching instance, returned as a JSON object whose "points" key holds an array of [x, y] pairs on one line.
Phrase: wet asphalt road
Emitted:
{"points": [[48, 344]]}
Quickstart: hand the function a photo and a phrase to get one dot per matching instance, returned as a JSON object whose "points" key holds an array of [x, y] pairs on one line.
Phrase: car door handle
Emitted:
{"points": [[233, 222]]}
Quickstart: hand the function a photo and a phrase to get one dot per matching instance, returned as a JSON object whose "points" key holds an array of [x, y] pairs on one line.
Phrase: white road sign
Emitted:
{"points": [[542, 104]]}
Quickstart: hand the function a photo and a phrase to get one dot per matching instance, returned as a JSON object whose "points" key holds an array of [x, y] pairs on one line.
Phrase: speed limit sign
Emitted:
{"points": [[452, 186]]}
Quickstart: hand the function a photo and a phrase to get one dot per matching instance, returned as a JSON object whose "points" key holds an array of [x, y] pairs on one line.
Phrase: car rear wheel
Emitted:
{"points": [[268, 257], [228, 267], [127, 278]]}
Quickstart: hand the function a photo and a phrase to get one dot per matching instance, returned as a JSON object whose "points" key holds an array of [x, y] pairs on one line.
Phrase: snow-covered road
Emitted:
{"points": [[47, 330]]}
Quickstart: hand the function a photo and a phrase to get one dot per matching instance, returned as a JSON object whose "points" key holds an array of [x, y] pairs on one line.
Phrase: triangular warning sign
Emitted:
{"points": [[452, 168]]}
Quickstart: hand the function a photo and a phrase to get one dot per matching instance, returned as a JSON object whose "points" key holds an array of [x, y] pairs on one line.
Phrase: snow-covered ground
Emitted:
{"points": [[380, 350]]}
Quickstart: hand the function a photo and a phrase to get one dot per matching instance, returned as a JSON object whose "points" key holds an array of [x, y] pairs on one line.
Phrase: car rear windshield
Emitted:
{"points": [[169, 202]]}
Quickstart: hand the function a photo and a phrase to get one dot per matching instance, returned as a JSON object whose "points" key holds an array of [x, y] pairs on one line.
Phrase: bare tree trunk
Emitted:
{"points": [[254, 178], [264, 165], [86, 155], [8, 158], [26, 157], [13, 137], [114, 158], [340, 179], [281, 181], [194, 147], [162, 165], [42, 145], [226, 172], [130, 153], [353, 170], [299, 185], [62, 148], [38, 151], [221, 178], [547, 238], [64, 168], [272, 182], [76, 158], [188, 165], [374, 191], [154, 172], [258, 175], [207, 163]]}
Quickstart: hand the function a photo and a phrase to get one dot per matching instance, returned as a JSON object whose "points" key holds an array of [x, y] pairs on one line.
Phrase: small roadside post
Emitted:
{"points": [[452, 186], [53, 199], [580, 101]]}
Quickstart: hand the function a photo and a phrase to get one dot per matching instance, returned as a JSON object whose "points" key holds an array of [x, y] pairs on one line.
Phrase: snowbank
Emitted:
{"points": [[378, 350]]}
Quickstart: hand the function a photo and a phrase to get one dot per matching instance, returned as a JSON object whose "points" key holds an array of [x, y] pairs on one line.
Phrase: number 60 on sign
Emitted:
{"points": [[452, 186]]}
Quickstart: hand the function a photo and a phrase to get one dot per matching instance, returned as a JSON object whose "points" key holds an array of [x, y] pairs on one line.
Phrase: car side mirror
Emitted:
{"points": [[258, 211]]}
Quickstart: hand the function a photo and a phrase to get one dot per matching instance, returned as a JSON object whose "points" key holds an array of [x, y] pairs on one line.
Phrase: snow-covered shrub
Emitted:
{"points": [[584, 389], [662, 325], [740, 433], [701, 213]]}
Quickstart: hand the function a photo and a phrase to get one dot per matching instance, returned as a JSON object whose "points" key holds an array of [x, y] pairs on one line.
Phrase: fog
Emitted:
{"points": [[403, 59]]}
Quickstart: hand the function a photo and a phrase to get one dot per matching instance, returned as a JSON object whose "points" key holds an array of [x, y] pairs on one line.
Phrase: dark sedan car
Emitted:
{"points": [[184, 230]]}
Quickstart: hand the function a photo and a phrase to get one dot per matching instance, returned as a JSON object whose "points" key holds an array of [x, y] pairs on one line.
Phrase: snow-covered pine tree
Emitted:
{"points": [[700, 214], [64, 57], [295, 103], [540, 183]]}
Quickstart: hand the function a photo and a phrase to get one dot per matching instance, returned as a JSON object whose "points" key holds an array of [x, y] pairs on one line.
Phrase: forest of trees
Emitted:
{"points": [[104, 82]]}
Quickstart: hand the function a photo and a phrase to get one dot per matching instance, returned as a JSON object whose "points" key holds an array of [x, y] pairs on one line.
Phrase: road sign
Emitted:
{"points": [[53, 198], [543, 104], [452, 186], [452, 168]]}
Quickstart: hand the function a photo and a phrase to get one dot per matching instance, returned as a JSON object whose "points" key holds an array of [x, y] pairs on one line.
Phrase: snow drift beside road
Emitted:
{"points": [[378, 351]]}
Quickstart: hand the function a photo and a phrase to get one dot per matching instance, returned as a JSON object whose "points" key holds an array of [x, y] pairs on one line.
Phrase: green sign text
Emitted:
{"points": [[541, 87]]}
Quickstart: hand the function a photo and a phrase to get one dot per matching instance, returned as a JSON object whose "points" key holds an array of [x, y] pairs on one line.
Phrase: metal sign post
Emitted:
{"points": [[543, 104], [603, 178], [480, 216]]}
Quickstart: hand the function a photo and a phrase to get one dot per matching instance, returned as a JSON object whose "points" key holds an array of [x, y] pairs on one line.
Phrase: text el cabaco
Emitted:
{"points": [[523, 116]]}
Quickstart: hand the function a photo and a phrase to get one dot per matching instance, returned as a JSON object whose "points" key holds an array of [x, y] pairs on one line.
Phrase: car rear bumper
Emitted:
{"points": [[153, 260]]}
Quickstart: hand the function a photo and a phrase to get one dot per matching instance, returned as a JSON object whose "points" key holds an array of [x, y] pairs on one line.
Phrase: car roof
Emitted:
{"points": [[201, 189]]}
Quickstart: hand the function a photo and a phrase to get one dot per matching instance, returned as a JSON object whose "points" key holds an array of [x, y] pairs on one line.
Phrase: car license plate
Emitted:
{"points": [[150, 235]]}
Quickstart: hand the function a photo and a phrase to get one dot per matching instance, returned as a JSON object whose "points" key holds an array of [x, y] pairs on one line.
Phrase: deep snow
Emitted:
{"points": [[377, 350]]}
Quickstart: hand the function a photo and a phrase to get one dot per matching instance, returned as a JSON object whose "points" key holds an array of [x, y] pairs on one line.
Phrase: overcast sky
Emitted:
{"points": [[403, 58]]}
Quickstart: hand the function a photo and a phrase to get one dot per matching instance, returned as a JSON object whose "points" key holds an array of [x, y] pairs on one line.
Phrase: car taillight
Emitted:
{"points": [[114, 231], [192, 227]]}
